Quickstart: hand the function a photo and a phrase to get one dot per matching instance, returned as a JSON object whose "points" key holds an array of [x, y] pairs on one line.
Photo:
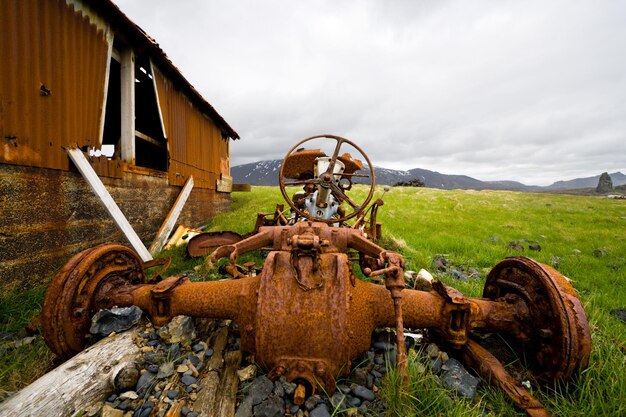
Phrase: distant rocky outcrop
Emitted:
{"points": [[605, 184], [266, 173], [415, 182]]}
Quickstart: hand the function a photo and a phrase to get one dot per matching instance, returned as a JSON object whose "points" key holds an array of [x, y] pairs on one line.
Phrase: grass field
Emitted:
{"points": [[473, 230]]}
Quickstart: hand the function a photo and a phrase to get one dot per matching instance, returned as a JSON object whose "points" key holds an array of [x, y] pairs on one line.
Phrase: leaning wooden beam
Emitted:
{"points": [[80, 382], [172, 217], [77, 156]]}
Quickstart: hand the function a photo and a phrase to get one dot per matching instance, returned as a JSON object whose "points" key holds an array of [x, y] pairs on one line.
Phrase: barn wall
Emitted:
{"points": [[50, 215], [194, 141], [52, 90]]}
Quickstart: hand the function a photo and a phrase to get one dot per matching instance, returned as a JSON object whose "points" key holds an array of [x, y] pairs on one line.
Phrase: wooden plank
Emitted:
{"points": [[148, 139], [78, 383], [107, 201], [172, 217], [156, 94], [127, 81], [225, 184], [227, 396], [207, 396]]}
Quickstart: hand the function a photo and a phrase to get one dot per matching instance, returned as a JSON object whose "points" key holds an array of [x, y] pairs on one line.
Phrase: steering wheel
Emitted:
{"points": [[327, 180]]}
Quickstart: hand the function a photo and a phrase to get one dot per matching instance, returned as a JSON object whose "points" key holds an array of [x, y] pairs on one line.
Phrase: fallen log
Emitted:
{"points": [[87, 378]]}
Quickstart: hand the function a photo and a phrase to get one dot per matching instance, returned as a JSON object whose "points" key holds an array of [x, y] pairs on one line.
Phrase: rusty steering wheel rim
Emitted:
{"points": [[335, 190], [70, 301]]}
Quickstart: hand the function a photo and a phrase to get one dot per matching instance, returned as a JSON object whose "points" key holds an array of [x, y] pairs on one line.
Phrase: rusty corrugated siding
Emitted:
{"points": [[194, 141], [50, 43]]}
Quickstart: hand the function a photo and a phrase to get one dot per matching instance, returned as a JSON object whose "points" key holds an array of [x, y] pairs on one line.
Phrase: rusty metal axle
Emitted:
{"points": [[307, 316]]}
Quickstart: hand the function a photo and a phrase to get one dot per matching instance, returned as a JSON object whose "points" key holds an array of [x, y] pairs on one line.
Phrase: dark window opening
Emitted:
{"points": [[150, 144], [113, 113]]}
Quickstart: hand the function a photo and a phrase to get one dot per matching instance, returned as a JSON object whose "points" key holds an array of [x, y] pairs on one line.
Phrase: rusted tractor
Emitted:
{"points": [[308, 290]]}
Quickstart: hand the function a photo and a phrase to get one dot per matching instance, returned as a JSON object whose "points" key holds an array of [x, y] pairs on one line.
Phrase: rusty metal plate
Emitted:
{"points": [[69, 302], [557, 336], [205, 243]]}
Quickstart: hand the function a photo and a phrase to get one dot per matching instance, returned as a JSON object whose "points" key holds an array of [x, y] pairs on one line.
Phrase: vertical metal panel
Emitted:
{"points": [[52, 81], [194, 141]]}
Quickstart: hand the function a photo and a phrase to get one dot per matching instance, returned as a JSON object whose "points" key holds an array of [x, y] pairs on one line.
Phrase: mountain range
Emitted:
{"points": [[266, 173]]}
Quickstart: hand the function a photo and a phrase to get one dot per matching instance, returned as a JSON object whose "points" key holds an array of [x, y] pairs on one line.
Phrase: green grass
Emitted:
{"points": [[463, 225]]}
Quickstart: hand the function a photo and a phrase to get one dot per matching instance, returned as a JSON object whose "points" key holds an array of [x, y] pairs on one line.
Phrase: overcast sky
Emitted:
{"points": [[533, 91]]}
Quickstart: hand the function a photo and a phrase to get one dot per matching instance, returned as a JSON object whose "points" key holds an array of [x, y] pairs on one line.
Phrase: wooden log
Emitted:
{"points": [[205, 403], [88, 377], [227, 395], [172, 217]]}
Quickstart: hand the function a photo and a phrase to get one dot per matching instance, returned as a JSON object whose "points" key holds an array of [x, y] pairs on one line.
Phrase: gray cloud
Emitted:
{"points": [[532, 91]]}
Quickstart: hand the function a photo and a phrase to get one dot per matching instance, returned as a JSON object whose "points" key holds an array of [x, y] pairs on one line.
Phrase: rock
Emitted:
{"points": [[172, 394], [208, 353], [188, 380], [129, 395], [245, 408], [108, 411], [359, 376], [181, 369], [197, 347], [289, 387], [435, 364], [166, 370], [600, 253], [620, 313], [247, 373], [493, 239], [354, 401], [311, 402], [105, 322], [432, 350], [278, 389], [145, 383], [515, 246], [320, 411], [179, 330], [364, 393], [273, 406], [338, 400], [260, 389], [473, 273], [456, 378], [536, 247], [440, 263], [605, 183], [458, 275]]}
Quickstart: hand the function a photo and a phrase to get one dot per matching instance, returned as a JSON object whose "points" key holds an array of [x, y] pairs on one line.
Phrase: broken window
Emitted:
{"points": [[150, 147], [150, 144]]}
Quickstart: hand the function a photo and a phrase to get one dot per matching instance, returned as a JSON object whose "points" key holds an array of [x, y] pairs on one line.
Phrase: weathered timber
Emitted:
{"points": [[227, 396], [83, 380], [47, 215], [107, 201], [172, 216], [207, 396]]}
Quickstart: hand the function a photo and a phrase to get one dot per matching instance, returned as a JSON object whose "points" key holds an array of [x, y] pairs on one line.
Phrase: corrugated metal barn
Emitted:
{"points": [[81, 74]]}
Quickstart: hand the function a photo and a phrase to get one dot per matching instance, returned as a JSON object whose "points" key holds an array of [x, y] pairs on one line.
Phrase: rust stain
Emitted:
{"points": [[51, 83]]}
